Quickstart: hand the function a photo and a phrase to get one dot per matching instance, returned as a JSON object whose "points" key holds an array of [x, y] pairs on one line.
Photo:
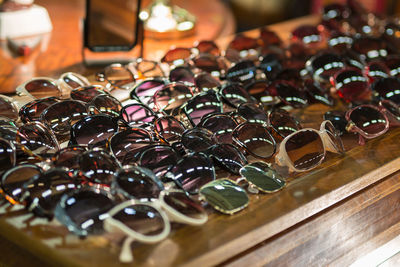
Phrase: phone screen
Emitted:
{"points": [[111, 25]]}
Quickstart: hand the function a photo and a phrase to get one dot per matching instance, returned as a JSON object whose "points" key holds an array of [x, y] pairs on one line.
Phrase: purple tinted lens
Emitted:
{"points": [[388, 88], [351, 84], [192, 172], [229, 157], [283, 123], [142, 219], [168, 129], [305, 149], [198, 139], [107, 104], [159, 159], [368, 119], [204, 81], [183, 204], [42, 88], [244, 71], [13, 180], [68, 157], [87, 93], [338, 119], [221, 125], [33, 109], [270, 65], [83, 211], [202, 105], [98, 166], [93, 130], [146, 90], [235, 94], [137, 183], [44, 190], [181, 74], [252, 113], [137, 114], [130, 140], [171, 97]]}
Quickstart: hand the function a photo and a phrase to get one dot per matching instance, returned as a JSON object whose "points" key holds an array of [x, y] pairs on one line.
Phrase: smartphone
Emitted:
{"points": [[111, 25]]}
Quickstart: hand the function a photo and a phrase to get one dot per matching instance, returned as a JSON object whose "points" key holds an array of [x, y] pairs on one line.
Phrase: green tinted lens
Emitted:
{"points": [[263, 177], [225, 196]]}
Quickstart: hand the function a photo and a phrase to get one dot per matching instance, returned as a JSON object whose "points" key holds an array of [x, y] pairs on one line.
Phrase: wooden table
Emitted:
{"points": [[333, 215]]}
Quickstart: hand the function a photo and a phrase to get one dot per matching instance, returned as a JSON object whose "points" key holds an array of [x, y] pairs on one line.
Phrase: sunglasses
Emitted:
{"points": [[387, 88], [33, 109], [116, 75], [46, 87], [8, 108], [305, 149]]}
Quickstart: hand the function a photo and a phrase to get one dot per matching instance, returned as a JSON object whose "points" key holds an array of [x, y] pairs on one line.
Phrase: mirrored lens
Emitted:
{"points": [[263, 177]]}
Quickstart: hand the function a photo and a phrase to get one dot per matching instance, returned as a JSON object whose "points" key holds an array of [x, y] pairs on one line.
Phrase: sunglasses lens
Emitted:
{"points": [[369, 47], [307, 34], [208, 63], [368, 119], [392, 108], [242, 72], [60, 116], [305, 149], [260, 90], [181, 74], [263, 177], [376, 70], [225, 196], [93, 130], [137, 114], [255, 139], [340, 42], [220, 125], [137, 183], [171, 97], [338, 119], [42, 88], [98, 167], [73, 80], [182, 203], [324, 66], [7, 155], [283, 123], [68, 157], [229, 157], [202, 105], [129, 141], [317, 94], [270, 65], [149, 69], [204, 82], [33, 109], [13, 180], [198, 139], [290, 95], [235, 94], [118, 75], [252, 113], [388, 88], [176, 56], [208, 47], [168, 129], [44, 191], [87, 93], [7, 108], [146, 90], [334, 136], [351, 84], [83, 211], [159, 159], [142, 219], [107, 104], [269, 37], [192, 172]]}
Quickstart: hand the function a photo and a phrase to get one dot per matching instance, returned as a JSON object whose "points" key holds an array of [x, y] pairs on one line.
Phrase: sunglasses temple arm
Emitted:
{"points": [[125, 255]]}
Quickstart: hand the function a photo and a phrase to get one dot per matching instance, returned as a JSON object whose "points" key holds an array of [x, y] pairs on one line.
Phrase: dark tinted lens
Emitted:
{"points": [[83, 211], [368, 119], [283, 123], [204, 82], [159, 159], [129, 141], [393, 63], [252, 113], [107, 104], [242, 42], [325, 66], [305, 149], [351, 84], [137, 183], [243, 72], [260, 90], [210, 47], [376, 71], [192, 172], [87, 93], [198, 139], [392, 108], [225, 196], [183, 204], [337, 118], [42, 88], [137, 114], [176, 56], [171, 97], [98, 167], [168, 129], [290, 95], [12, 181], [263, 177], [8, 108], [93, 130], [269, 37], [229, 157], [370, 48], [146, 90], [317, 94], [141, 218], [44, 190], [33, 109], [270, 65], [307, 34], [255, 139], [118, 75], [208, 63], [7, 155], [235, 94], [68, 157], [181, 74], [388, 88], [221, 125], [340, 42], [201, 105], [60, 116]]}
